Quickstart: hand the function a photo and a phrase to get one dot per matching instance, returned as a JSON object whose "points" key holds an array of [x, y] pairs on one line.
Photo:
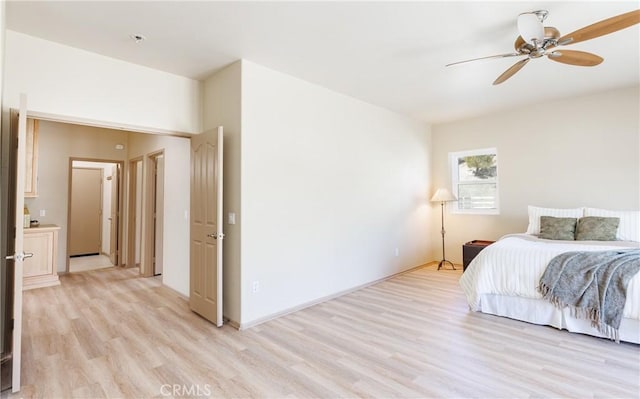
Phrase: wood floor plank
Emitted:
{"points": [[112, 334]]}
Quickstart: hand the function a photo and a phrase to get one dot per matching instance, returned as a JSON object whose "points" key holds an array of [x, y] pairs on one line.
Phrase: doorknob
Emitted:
{"points": [[213, 235], [20, 257]]}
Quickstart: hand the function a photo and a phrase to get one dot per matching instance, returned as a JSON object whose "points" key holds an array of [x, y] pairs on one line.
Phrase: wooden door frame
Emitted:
{"points": [[147, 240], [132, 198], [120, 203], [114, 211], [158, 208]]}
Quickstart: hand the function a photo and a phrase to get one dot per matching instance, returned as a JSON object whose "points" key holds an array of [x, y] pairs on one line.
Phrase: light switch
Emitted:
{"points": [[232, 218]]}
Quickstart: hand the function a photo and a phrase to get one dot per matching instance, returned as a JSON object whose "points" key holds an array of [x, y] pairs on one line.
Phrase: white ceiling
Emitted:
{"points": [[386, 53]]}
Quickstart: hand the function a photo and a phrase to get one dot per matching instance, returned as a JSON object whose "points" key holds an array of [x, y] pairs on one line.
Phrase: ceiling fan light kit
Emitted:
{"points": [[530, 26], [536, 40]]}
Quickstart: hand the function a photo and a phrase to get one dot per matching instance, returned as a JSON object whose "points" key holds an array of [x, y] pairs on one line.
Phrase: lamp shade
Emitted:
{"points": [[443, 195], [530, 27]]}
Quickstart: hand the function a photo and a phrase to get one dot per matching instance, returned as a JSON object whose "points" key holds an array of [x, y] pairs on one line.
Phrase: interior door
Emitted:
{"points": [[158, 217], [114, 214], [86, 212], [8, 149], [206, 225], [16, 258]]}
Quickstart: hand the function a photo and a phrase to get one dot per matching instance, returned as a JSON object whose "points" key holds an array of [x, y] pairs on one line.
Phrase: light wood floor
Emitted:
{"points": [[109, 333], [92, 262]]}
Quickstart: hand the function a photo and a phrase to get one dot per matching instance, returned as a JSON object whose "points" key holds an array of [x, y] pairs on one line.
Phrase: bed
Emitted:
{"points": [[503, 279]]}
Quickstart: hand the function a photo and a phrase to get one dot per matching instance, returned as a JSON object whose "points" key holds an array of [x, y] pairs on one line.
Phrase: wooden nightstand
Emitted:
{"points": [[471, 249]]}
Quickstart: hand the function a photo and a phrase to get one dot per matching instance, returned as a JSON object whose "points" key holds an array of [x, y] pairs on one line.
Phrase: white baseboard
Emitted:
{"points": [[244, 326]]}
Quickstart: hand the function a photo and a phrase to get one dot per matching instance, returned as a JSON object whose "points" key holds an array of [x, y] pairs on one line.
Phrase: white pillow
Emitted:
{"points": [[629, 227], [535, 213]]}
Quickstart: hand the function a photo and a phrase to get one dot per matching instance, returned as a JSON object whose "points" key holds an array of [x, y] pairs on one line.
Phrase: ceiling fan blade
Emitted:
{"points": [[573, 57], [511, 71], [486, 58], [601, 28], [518, 43]]}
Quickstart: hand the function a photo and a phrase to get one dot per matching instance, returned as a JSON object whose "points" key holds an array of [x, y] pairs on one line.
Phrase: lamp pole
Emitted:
{"points": [[442, 231], [443, 195]]}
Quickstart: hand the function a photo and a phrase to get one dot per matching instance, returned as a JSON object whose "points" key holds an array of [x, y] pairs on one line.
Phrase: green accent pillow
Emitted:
{"points": [[596, 228], [552, 228]]}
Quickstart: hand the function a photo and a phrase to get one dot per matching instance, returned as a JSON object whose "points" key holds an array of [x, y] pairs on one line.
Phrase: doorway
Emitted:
{"points": [[152, 234], [93, 214], [134, 213], [158, 213], [74, 145]]}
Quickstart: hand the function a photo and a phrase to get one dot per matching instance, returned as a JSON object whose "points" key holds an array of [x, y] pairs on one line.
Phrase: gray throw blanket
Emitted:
{"points": [[592, 284]]}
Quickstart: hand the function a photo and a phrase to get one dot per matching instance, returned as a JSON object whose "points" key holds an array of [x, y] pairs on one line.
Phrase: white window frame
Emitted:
{"points": [[453, 167]]}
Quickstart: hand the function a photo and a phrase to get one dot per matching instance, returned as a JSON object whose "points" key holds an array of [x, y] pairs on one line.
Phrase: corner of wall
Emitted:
{"points": [[344, 183], [222, 107]]}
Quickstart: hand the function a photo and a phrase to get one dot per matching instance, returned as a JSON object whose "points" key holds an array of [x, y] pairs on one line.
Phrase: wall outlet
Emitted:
{"points": [[255, 286], [397, 252], [43, 212]]}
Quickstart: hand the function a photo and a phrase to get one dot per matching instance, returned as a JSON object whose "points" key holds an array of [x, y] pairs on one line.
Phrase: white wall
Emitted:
{"points": [[581, 151], [222, 108], [177, 153], [57, 142], [2, 50], [70, 82], [330, 187]]}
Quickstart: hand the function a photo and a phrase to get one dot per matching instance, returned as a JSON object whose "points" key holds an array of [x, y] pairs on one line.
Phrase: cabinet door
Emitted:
{"points": [[41, 246], [31, 169]]}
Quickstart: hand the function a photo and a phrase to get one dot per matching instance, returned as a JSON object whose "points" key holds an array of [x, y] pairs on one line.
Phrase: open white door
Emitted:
{"points": [[19, 255], [205, 292]]}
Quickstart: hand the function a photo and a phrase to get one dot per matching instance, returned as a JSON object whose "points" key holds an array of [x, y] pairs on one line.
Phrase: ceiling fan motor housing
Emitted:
{"points": [[551, 36]]}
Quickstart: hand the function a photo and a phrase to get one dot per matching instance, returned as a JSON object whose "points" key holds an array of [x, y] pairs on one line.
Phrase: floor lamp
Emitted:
{"points": [[442, 196]]}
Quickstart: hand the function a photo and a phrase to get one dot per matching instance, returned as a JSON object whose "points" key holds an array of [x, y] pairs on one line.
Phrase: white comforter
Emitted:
{"points": [[513, 265]]}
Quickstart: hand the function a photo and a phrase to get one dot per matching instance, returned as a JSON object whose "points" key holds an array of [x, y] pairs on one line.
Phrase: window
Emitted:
{"points": [[474, 176]]}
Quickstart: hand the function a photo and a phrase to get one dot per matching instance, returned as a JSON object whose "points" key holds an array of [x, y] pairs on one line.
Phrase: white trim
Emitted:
{"points": [[253, 323], [482, 151], [454, 156], [104, 124]]}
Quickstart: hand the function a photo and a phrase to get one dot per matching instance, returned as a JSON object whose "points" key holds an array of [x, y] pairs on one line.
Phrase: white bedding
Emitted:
{"points": [[513, 265]]}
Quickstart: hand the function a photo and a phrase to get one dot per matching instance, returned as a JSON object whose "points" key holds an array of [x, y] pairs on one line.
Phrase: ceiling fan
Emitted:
{"points": [[536, 40]]}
